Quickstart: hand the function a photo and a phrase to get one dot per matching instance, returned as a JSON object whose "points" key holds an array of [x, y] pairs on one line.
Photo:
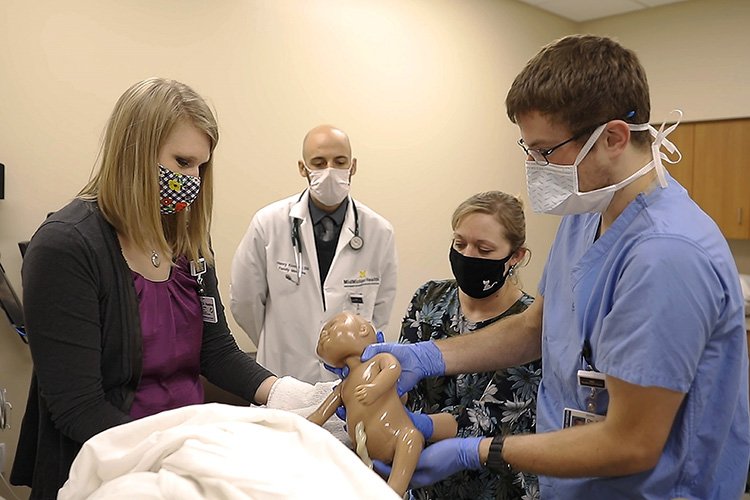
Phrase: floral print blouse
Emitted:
{"points": [[484, 404]]}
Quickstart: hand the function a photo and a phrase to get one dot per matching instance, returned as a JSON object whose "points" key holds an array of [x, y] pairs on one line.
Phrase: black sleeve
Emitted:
{"points": [[223, 363], [61, 295]]}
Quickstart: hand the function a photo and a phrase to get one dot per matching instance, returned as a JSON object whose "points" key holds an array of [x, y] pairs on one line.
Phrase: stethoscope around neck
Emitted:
{"points": [[355, 243]]}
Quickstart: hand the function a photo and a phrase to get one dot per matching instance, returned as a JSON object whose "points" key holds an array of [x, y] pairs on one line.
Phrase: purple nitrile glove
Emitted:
{"points": [[417, 361], [423, 423], [339, 372], [440, 460]]}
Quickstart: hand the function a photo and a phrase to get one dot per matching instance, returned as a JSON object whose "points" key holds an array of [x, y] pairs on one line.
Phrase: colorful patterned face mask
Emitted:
{"points": [[176, 191]]}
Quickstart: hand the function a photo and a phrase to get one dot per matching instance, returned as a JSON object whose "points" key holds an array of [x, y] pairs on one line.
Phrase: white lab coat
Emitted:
{"points": [[284, 319]]}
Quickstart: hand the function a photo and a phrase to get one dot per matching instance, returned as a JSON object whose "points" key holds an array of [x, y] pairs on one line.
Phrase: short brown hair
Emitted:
{"points": [[126, 185], [505, 208], [582, 81]]}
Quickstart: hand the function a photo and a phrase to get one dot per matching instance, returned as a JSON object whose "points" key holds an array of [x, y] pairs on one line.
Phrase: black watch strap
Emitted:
{"points": [[495, 460]]}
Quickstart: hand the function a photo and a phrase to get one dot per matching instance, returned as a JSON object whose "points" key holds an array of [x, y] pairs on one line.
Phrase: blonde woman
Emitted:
{"points": [[120, 293], [488, 245]]}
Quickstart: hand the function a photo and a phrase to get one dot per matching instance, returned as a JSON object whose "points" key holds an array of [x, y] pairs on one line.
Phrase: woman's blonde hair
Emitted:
{"points": [[126, 185], [505, 208]]}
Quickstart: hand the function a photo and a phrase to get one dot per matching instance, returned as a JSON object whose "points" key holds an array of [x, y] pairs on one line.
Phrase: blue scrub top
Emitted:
{"points": [[659, 298]]}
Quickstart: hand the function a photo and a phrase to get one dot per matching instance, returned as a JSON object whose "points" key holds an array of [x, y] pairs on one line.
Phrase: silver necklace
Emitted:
{"points": [[155, 260]]}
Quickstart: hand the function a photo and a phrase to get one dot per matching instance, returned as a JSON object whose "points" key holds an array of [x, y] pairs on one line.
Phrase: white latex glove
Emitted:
{"points": [[299, 397]]}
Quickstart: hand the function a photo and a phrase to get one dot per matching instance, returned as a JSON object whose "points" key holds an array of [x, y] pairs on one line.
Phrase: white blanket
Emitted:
{"points": [[218, 451]]}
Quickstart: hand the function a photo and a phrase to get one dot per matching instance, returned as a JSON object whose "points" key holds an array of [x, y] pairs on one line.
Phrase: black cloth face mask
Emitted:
{"points": [[478, 278]]}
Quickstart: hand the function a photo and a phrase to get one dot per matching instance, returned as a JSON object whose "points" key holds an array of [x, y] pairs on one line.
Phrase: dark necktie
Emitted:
{"points": [[325, 232], [326, 229]]}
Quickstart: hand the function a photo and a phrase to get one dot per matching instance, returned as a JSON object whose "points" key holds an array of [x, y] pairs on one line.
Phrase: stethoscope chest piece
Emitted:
{"points": [[356, 242]]}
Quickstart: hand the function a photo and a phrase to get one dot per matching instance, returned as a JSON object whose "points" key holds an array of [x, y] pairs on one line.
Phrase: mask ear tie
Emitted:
{"points": [[660, 139]]}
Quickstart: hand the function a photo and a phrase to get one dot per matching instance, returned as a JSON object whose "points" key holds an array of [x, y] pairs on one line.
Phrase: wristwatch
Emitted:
{"points": [[495, 460]]}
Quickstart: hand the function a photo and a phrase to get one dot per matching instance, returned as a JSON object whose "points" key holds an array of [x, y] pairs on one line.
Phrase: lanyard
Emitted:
{"points": [[588, 355]]}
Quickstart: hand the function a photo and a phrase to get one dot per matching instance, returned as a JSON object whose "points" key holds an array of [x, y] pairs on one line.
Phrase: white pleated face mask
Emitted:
{"points": [[553, 189], [329, 185]]}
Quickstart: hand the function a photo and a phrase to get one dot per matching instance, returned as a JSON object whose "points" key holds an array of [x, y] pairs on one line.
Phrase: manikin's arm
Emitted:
{"points": [[389, 371], [444, 426], [327, 408], [630, 440], [513, 341]]}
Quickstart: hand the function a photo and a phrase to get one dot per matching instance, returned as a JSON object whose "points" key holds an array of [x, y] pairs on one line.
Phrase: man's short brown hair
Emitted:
{"points": [[582, 81]]}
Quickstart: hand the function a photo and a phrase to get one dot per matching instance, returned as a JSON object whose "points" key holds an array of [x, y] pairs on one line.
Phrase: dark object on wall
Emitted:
{"points": [[11, 305], [2, 181]]}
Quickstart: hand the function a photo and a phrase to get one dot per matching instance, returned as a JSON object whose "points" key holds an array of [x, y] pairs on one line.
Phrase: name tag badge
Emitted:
{"points": [[208, 310], [590, 378], [198, 267], [573, 417], [357, 298]]}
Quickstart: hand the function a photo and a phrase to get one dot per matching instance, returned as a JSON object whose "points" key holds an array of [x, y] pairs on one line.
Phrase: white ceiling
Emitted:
{"points": [[586, 10]]}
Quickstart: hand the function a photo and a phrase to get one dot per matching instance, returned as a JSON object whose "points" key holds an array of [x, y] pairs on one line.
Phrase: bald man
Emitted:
{"points": [[308, 257]]}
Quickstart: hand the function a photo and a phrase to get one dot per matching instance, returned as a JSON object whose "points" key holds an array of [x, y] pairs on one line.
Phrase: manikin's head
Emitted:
{"points": [[343, 336]]}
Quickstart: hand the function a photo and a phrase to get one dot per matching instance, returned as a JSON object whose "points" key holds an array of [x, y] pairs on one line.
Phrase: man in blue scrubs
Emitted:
{"points": [[639, 318]]}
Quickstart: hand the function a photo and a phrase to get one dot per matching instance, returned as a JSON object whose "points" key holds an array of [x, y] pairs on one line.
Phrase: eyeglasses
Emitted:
{"points": [[540, 155]]}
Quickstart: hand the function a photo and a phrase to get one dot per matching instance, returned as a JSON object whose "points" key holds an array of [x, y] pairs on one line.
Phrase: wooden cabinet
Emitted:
{"points": [[715, 169]]}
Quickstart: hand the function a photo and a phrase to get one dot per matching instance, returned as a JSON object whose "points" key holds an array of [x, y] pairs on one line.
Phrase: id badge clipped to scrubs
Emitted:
{"points": [[596, 382], [208, 304], [572, 417]]}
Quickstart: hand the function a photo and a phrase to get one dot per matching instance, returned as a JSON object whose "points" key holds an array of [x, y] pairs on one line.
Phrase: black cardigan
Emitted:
{"points": [[84, 333]]}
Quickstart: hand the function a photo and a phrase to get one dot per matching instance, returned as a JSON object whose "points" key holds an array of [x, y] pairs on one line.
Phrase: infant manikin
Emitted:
{"points": [[374, 412]]}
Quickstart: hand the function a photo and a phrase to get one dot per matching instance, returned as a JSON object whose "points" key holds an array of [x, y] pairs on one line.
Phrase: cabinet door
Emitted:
{"points": [[721, 174], [682, 171]]}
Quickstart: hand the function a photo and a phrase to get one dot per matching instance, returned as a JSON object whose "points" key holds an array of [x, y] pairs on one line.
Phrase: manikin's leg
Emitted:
{"points": [[405, 457], [444, 426]]}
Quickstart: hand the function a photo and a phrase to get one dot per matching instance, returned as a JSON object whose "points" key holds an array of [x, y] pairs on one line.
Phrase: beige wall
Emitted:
{"points": [[418, 85]]}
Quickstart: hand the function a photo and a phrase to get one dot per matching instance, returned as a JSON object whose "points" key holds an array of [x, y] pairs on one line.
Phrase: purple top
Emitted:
{"points": [[172, 330]]}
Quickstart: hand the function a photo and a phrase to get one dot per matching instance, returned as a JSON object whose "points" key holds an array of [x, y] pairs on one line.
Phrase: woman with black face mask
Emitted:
{"points": [[489, 233]]}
